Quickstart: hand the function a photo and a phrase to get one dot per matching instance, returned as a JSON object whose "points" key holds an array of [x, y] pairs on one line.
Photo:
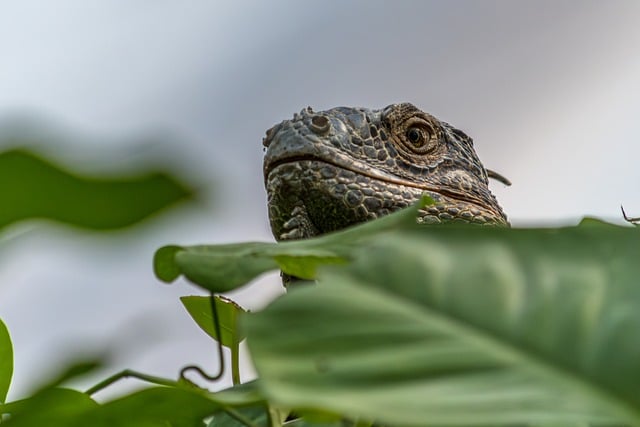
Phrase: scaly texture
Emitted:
{"points": [[327, 170]]}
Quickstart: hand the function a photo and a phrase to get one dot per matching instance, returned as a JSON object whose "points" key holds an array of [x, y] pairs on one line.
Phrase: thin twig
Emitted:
{"points": [[634, 221], [128, 373]]}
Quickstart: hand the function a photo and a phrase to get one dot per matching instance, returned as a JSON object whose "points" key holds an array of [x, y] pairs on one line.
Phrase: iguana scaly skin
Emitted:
{"points": [[328, 170]]}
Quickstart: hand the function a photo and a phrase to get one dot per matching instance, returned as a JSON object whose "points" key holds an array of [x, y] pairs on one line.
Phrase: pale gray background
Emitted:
{"points": [[548, 89]]}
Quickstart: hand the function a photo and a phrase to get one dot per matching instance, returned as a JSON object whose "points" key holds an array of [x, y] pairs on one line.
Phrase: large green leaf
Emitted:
{"points": [[213, 267], [464, 326], [34, 188], [6, 361], [221, 268]]}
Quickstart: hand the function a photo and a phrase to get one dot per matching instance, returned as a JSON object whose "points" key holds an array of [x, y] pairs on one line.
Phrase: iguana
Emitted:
{"points": [[327, 170]]}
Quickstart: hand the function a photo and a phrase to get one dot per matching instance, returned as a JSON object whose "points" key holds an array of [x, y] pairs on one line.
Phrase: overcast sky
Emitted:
{"points": [[549, 90]]}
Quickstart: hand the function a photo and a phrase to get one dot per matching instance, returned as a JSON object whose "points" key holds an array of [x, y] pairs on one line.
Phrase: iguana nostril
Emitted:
{"points": [[319, 124], [268, 137], [266, 141]]}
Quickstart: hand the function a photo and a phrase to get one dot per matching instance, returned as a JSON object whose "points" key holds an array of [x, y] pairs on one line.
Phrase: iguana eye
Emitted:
{"points": [[413, 132], [419, 138]]}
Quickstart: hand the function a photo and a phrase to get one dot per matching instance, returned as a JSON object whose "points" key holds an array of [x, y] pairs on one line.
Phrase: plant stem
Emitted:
{"points": [[235, 363], [133, 374]]}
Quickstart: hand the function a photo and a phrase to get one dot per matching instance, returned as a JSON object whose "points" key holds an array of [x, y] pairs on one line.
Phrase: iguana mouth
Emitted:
{"points": [[361, 168]]}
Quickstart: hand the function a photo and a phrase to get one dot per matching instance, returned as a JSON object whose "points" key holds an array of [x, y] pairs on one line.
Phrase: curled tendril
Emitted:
{"points": [[221, 368]]}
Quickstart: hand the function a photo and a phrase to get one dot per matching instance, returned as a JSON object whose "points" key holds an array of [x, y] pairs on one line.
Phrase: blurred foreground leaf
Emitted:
{"points": [[53, 407], [6, 361], [462, 326], [159, 406], [73, 369], [32, 187]]}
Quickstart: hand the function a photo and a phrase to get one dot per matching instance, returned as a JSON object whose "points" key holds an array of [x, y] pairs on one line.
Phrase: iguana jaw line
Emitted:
{"points": [[362, 168]]}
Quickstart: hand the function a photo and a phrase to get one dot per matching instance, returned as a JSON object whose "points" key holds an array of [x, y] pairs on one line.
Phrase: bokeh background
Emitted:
{"points": [[548, 89]]}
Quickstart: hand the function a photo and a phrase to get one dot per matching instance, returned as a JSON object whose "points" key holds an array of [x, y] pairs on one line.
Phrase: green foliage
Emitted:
{"points": [[401, 359], [406, 325], [53, 407], [213, 267], [199, 309], [6, 361], [258, 415], [73, 369], [222, 268], [159, 406], [450, 325], [221, 325], [34, 188]]}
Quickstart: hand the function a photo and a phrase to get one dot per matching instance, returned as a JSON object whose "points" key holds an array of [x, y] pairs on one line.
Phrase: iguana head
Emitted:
{"points": [[327, 170]]}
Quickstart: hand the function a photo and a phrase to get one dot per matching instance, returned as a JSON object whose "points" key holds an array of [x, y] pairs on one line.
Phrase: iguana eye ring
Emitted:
{"points": [[418, 138]]}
